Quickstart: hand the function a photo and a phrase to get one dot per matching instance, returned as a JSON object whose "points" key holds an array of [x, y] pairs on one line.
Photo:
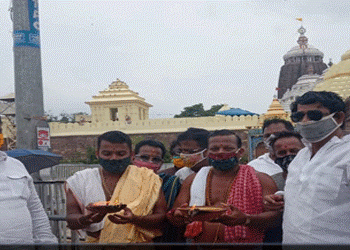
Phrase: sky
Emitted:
{"points": [[173, 53]]}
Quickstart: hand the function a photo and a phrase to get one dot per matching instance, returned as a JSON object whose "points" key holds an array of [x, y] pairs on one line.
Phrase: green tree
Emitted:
{"points": [[212, 111], [197, 110]]}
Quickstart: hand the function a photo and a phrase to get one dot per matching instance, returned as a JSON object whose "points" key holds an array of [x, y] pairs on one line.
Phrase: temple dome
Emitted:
{"points": [[296, 51], [337, 78]]}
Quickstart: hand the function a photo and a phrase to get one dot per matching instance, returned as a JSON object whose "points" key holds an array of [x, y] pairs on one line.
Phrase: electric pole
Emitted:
{"points": [[28, 76]]}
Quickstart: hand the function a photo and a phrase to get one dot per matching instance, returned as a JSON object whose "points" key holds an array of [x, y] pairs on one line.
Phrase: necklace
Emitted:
{"points": [[208, 197], [107, 191]]}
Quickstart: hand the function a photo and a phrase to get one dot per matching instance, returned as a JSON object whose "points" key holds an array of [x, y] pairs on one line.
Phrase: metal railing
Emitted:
{"points": [[53, 198]]}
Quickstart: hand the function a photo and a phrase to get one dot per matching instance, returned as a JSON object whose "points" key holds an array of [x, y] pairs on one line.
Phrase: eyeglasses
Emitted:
{"points": [[146, 158], [190, 151], [314, 115]]}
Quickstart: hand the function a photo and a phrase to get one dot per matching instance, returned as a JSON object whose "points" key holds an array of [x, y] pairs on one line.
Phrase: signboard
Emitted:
{"points": [[31, 37], [43, 138]]}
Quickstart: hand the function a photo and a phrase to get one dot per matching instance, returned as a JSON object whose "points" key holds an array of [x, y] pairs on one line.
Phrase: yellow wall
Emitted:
{"points": [[155, 125]]}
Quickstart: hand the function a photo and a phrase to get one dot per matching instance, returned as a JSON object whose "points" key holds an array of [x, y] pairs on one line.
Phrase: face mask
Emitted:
{"points": [[178, 162], [115, 166], [315, 131], [149, 165], [223, 161], [284, 162], [192, 159]]}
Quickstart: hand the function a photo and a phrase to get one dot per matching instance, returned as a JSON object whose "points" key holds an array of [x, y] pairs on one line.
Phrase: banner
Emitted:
{"points": [[31, 37]]}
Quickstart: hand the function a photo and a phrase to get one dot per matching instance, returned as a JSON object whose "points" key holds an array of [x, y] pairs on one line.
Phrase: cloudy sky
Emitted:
{"points": [[173, 53]]}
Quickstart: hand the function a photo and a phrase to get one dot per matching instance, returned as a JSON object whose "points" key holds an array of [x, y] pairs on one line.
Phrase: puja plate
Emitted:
{"points": [[105, 206], [202, 213]]}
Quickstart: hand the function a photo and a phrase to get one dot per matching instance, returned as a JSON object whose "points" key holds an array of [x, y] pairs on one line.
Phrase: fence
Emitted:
{"points": [[53, 198]]}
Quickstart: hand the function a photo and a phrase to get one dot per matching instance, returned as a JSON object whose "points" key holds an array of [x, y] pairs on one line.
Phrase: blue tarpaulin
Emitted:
{"points": [[235, 112]]}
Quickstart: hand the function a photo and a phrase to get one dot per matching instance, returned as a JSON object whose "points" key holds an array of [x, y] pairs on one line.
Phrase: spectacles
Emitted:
{"points": [[146, 158], [314, 115]]}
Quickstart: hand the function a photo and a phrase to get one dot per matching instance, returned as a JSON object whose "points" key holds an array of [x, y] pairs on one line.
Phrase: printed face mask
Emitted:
{"points": [[315, 131], [223, 161], [284, 162], [115, 166], [150, 165], [178, 162], [190, 160]]}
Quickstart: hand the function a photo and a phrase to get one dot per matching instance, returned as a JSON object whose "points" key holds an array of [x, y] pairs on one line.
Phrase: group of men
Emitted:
{"points": [[301, 185]]}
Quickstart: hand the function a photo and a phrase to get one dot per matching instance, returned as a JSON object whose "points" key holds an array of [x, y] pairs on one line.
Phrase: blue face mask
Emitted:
{"points": [[115, 166]]}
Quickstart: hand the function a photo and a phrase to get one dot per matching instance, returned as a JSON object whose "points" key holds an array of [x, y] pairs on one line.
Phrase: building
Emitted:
{"points": [[8, 121], [337, 78], [304, 84], [120, 108], [297, 62]]}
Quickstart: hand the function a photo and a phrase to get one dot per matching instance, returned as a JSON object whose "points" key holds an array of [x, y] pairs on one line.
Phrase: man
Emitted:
{"points": [[23, 219], [285, 146], [266, 162], [239, 187], [118, 182], [175, 156], [150, 154], [193, 144], [317, 193]]}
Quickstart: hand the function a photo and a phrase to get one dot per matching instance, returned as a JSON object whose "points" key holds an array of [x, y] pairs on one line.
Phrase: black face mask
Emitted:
{"points": [[284, 162], [115, 166]]}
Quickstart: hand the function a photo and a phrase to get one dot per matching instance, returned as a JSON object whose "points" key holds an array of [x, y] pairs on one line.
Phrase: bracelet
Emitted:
{"points": [[247, 220]]}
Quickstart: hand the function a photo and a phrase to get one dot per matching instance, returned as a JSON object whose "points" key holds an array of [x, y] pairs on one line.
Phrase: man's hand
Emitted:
{"points": [[177, 217], [127, 217], [87, 220], [233, 218], [273, 202]]}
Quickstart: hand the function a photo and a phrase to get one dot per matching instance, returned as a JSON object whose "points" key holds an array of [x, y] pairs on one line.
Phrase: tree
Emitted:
{"points": [[197, 110], [212, 111]]}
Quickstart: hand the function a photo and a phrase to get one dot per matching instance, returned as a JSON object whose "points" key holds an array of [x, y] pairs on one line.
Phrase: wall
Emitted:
{"points": [[75, 147], [154, 126]]}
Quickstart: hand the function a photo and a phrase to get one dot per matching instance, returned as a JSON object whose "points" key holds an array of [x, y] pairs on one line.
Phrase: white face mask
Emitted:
{"points": [[315, 131]]}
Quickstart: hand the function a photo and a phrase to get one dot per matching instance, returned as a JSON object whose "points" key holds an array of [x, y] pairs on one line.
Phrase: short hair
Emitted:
{"points": [[223, 132], [114, 137], [196, 134], [269, 122], [283, 134], [328, 99], [173, 145], [152, 143]]}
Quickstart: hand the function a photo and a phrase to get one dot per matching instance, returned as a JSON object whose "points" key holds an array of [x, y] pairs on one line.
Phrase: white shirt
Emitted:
{"points": [[317, 196], [22, 218], [183, 173], [265, 164]]}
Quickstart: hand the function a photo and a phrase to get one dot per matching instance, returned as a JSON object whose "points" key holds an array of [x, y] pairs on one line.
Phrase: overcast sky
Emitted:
{"points": [[174, 54]]}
